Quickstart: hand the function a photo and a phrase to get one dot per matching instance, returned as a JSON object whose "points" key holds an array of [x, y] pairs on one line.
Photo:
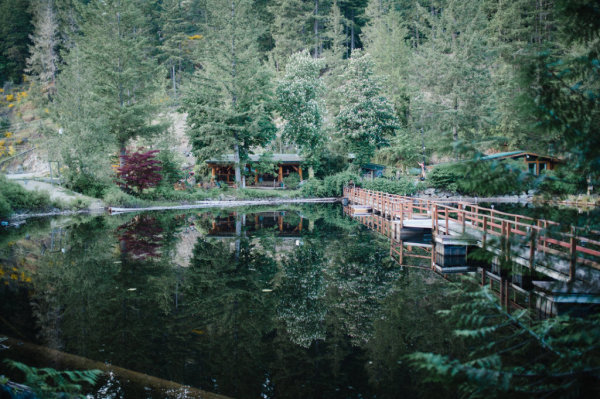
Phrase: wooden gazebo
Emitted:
{"points": [[222, 168]]}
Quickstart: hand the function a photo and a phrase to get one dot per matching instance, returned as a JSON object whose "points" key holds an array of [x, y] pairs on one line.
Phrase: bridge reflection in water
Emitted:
{"points": [[511, 282]]}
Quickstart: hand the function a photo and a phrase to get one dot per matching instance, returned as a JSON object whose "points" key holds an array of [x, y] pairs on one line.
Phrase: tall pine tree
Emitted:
{"points": [[229, 102]]}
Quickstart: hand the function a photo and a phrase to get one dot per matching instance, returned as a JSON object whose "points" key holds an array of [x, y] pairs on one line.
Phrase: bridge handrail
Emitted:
{"points": [[525, 226]]}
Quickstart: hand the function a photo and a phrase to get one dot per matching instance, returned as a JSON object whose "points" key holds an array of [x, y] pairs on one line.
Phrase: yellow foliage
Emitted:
{"points": [[195, 37], [2, 143], [46, 110], [10, 97], [1, 90], [11, 151], [8, 134], [14, 277], [11, 105]]}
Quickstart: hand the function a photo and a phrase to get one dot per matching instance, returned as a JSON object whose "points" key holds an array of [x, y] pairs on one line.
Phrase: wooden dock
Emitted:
{"points": [[566, 254]]}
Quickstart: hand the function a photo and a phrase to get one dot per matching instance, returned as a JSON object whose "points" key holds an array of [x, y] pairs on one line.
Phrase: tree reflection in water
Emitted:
{"points": [[272, 311]]}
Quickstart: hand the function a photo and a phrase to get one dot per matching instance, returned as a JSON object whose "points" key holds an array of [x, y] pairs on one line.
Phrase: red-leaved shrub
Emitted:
{"points": [[140, 170]]}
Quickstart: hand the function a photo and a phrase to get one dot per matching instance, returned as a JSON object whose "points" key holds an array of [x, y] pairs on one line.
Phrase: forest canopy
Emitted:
{"points": [[393, 81]]}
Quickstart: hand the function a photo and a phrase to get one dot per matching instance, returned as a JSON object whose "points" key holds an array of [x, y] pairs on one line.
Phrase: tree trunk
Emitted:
{"points": [[122, 153], [316, 28], [236, 161], [311, 172]]}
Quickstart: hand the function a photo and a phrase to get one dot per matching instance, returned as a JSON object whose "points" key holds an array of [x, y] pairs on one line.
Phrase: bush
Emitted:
{"points": [[333, 185], [5, 208], [20, 199], [140, 170], [481, 178], [404, 186], [86, 184], [562, 182], [114, 196], [292, 181], [313, 188], [444, 177], [171, 168]]}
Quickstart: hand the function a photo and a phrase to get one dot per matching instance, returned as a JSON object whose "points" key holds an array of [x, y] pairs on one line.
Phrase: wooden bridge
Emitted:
{"points": [[546, 246]]}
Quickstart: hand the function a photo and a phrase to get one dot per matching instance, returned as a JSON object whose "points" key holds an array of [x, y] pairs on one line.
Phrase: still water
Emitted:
{"points": [[297, 302]]}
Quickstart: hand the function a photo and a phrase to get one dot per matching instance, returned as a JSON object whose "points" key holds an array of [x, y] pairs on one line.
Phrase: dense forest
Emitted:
{"points": [[391, 81]]}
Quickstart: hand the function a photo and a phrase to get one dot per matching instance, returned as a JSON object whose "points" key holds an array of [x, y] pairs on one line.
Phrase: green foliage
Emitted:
{"points": [[313, 187], [562, 181], [444, 177], [171, 170], [333, 185], [15, 27], [299, 98], [292, 181], [366, 119], [501, 361], [51, 383], [404, 186], [481, 178], [5, 208], [264, 165], [114, 196], [19, 199], [86, 184], [229, 102]]}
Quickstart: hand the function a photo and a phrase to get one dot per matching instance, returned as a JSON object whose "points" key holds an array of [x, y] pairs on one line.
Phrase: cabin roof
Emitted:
{"points": [[279, 158], [517, 154], [373, 166]]}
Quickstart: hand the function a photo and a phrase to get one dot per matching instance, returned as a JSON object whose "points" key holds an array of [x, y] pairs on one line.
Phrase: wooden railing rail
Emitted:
{"points": [[542, 235]]}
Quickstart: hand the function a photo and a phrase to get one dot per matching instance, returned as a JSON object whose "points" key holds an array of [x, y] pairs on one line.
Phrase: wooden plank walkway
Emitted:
{"points": [[544, 245]]}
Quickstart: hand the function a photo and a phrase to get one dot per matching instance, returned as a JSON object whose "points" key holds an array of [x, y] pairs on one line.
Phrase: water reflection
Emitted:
{"points": [[302, 302], [492, 265]]}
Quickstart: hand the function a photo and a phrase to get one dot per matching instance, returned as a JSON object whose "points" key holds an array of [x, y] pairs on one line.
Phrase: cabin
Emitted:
{"points": [[372, 170], [535, 163], [223, 169]]}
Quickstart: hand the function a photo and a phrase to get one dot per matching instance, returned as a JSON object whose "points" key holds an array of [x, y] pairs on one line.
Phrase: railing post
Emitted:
{"points": [[447, 232], [573, 255], [532, 250], [485, 222]]}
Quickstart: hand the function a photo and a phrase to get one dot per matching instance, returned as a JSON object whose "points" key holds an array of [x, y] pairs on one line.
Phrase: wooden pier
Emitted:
{"points": [[566, 254]]}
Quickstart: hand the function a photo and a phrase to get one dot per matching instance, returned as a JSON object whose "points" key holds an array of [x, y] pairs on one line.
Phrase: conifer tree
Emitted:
{"points": [[177, 36], [15, 27], [451, 73], [229, 102], [384, 39], [291, 29], [115, 49], [42, 64]]}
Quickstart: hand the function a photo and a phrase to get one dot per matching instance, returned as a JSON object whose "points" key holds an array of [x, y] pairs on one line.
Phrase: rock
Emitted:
{"points": [[429, 191]]}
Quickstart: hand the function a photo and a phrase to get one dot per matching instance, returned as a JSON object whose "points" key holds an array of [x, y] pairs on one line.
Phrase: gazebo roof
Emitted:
{"points": [[279, 158]]}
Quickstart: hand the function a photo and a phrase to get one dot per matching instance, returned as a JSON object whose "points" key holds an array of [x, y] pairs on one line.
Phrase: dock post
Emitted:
{"points": [[485, 222], [532, 249], [573, 255]]}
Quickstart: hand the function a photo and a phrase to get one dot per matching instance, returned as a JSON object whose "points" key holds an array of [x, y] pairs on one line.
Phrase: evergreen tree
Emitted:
{"points": [[291, 29], [366, 119], [177, 36], [15, 27], [42, 64], [115, 49], [106, 92], [451, 74], [298, 95], [384, 39], [229, 102]]}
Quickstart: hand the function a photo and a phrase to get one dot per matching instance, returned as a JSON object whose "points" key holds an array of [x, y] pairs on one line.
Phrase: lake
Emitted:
{"points": [[293, 302]]}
